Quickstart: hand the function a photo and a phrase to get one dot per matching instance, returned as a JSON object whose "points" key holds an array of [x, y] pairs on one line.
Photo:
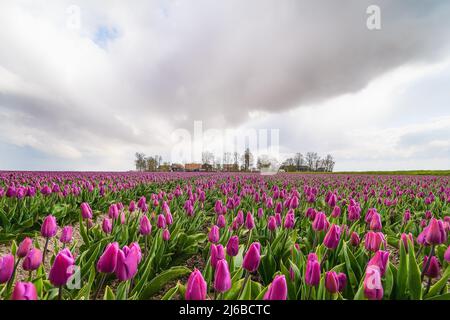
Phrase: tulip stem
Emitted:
{"points": [[45, 251], [60, 293], [102, 281], [428, 262], [428, 285], [323, 258], [419, 252], [247, 276]]}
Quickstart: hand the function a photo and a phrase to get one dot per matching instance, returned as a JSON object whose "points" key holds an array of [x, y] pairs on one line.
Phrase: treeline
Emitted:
{"points": [[311, 161], [234, 162]]}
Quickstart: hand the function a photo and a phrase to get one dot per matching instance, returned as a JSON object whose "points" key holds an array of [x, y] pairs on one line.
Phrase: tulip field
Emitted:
{"points": [[223, 236]]}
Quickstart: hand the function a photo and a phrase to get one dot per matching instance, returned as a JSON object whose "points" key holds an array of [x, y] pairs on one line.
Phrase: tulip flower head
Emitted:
{"points": [[145, 227], [108, 260], [33, 260], [86, 211], [62, 268], [214, 234], [49, 227], [233, 246], [277, 289], [6, 268], [252, 258], [312, 272], [332, 237], [24, 247], [222, 278], [24, 291], [196, 286], [66, 234]]}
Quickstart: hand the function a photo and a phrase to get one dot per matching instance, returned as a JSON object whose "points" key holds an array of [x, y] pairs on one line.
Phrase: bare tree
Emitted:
{"points": [[207, 157], [298, 160], [140, 161], [329, 163], [236, 161], [247, 160]]}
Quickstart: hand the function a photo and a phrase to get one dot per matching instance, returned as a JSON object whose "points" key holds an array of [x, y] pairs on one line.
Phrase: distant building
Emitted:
{"points": [[207, 167], [192, 167], [228, 167], [303, 168], [176, 167]]}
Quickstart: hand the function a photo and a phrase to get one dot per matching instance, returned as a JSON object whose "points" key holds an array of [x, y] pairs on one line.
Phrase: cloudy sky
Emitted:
{"points": [[85, 84]]}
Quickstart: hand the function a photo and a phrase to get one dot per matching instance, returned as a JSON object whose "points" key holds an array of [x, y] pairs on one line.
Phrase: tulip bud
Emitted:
{"points": [[354, 239], [252, 258], [217, 253], [406, 216], [320, 222], [433, 269], [86, 211], [374, 240], [342, 278], [127, 264], [375, 222], [113, 212], [6, 268], [24, 247], [272, 224], [62, 269], [107, 225], [24, 291], [161, 222], [49, 227], [66, 234], [381, 260], [277, 289], [33, 260], [373, 289], [312, 272], [233, 246], [447, 254], [289, 221], [166, 235], [249, 222], [214, 234], [332, 282], [436, 233], [332, 237], [132, 206], [336, 212], [145, 227], [108, 260], [195, 287], [222, 278], [221, 222], [404, 240]]}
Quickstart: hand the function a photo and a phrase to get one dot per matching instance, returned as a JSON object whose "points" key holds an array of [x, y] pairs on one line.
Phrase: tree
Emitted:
{"points": [[298, 160], [140, 161], [236, 161], [151, 163], [247, 160], [329, 163], [207, 157], [311, 160]]}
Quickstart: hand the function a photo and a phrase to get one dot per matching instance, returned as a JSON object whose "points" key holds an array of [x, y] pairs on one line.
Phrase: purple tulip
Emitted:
{"points": [[161, 222], [373, 289], [436, 233], [252, 258], [289, 221], [33, 260], [49, 227], [381, 260], [195, 287], [145, 227], [107, 225], [332, 237], [24, 291], [222, 278], [62, 268], [320, 222], [108, 260], [249, 222], [217, 253], [166, 235], [354, 239], [332, 282], [66, 234], [277, 289], [127, 264], [214, 234], [447, 254], [433, 268], [272, 224], [233, 246], [6, 268], [312, 272], [86, 211], [24, 247]]}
